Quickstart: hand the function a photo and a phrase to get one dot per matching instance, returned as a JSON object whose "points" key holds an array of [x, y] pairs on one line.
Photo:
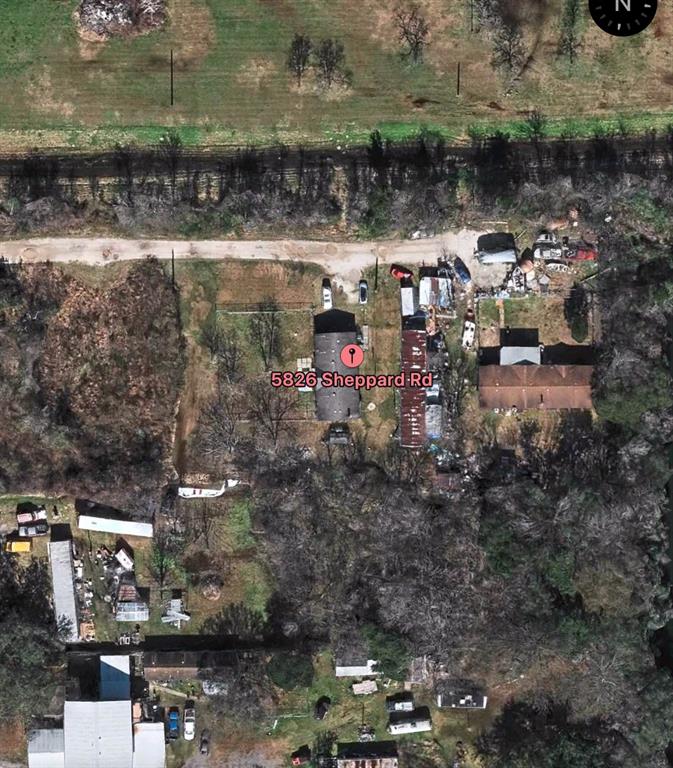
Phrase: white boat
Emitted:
{"points": [[187, 492]]}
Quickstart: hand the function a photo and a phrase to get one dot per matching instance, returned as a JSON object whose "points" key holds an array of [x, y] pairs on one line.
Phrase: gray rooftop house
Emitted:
{"points": [[333, 331], [520, 355], [63, 584]]}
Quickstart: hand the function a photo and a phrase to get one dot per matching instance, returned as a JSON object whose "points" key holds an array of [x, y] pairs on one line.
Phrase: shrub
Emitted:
{"points": [[289, 671]]}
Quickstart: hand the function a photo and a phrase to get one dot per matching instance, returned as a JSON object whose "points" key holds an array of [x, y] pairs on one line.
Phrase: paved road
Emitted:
{"points": [[344, 261]]}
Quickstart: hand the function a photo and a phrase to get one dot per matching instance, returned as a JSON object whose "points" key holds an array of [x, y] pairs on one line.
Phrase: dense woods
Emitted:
{"points": [[89, 380]]}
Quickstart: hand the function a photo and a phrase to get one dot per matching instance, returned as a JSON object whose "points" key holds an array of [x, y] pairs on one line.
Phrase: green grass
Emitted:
{"points": [[237, 536], [232, 85]]}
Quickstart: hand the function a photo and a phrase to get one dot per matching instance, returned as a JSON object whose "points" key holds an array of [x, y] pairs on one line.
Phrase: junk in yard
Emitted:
{"points": [[107, 18]]}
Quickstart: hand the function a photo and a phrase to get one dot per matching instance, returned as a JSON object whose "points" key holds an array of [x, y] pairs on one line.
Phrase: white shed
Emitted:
{"points": [[364, 668], [113, 525], [149, 745]]}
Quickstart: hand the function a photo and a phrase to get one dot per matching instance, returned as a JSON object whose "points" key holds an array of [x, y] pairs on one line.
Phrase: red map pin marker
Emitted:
{"points": [[352, 356]]}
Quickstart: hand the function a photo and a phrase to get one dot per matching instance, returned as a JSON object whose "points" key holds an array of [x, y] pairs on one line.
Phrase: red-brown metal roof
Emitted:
{"points": [[549, 387], [412, 399]]}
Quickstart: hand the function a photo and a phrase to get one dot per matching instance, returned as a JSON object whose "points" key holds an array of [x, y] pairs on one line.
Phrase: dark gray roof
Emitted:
{"points": [[334, 321], [356, 750], [334, 331]]}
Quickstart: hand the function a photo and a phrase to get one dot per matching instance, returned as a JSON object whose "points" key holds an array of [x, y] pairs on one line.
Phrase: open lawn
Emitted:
{"points": [[232, 85]]}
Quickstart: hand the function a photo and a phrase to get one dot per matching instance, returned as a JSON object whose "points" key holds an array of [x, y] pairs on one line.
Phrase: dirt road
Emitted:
{"points": [[343, 261]]}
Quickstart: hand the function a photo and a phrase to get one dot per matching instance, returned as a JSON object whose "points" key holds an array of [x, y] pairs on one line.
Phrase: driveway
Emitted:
{"points": [[344, 261]]}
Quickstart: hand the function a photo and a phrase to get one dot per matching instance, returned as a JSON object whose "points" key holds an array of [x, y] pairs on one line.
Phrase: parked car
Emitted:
{"points": [[174, 723], [189, 721], [469, 331], [546, 246], [31, 516], [400, 273], [204, 745], [556, 266], [18, 546], [462, 272], [321, 707], [326, 293], [39, 529], [363, 291]]}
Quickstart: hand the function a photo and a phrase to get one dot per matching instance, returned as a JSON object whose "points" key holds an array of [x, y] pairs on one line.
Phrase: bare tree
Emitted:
{"points": [[225, 347], [229, 357], [265, 331], [203, 522], [220, 420], [413, 30], [271, 408], [330, 59], [508, 48], [299, 57], [570, 42], [163, 559]]}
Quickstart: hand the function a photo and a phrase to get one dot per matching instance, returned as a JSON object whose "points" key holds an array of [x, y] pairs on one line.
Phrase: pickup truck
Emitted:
{"points": [[174, 723], [32, 516], [189, 721], [39, 529]]}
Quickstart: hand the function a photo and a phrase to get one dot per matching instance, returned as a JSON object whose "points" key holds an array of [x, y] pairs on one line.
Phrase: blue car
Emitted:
{"points": [[462, 272], [174, 723]]}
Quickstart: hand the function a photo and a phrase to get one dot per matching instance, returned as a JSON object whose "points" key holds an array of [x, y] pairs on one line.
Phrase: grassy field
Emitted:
{"points": [[232, 85]]}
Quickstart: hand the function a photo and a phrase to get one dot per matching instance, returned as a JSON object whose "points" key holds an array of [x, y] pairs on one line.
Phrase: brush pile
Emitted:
{"points": [[108, 18]]}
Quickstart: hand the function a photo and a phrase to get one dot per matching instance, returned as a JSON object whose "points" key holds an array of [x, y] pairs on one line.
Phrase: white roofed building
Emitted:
{"points": [[63, 585], [112, 525], [98, 734], [101, 734], [149, 745], [364, 668], [45, 748]]}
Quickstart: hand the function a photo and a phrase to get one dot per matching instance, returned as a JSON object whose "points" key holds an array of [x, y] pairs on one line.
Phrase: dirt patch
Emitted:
{"points": [[42, 96], [288, 284], [12, 741], [194, 32], [256, 73], [102, 19]]}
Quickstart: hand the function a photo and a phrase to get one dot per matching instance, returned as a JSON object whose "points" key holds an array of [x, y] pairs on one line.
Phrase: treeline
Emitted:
{"points": [[375, 190]]}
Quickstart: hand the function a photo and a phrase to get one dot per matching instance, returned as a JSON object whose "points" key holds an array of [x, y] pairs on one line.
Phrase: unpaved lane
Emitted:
{"points": [[345, 261]]}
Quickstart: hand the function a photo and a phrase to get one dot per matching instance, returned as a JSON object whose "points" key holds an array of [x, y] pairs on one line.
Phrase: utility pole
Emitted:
{"points": [[173, 267], [172, 100], [458, 80], [376, 275], [471, 15]]}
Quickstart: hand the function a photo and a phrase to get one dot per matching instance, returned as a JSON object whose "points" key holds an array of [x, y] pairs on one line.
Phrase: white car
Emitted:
{"points": [[556, 266], [189, 721], [326, 294], [469, 331]]}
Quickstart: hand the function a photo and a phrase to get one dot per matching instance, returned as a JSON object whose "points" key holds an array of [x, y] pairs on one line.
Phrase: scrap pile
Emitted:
{"points": [[105, 18]]}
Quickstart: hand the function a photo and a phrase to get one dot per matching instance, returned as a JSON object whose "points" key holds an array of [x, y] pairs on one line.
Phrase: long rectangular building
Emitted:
{"points": [[412, 399], [546, 387], [63, 585], [112, 525]]}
